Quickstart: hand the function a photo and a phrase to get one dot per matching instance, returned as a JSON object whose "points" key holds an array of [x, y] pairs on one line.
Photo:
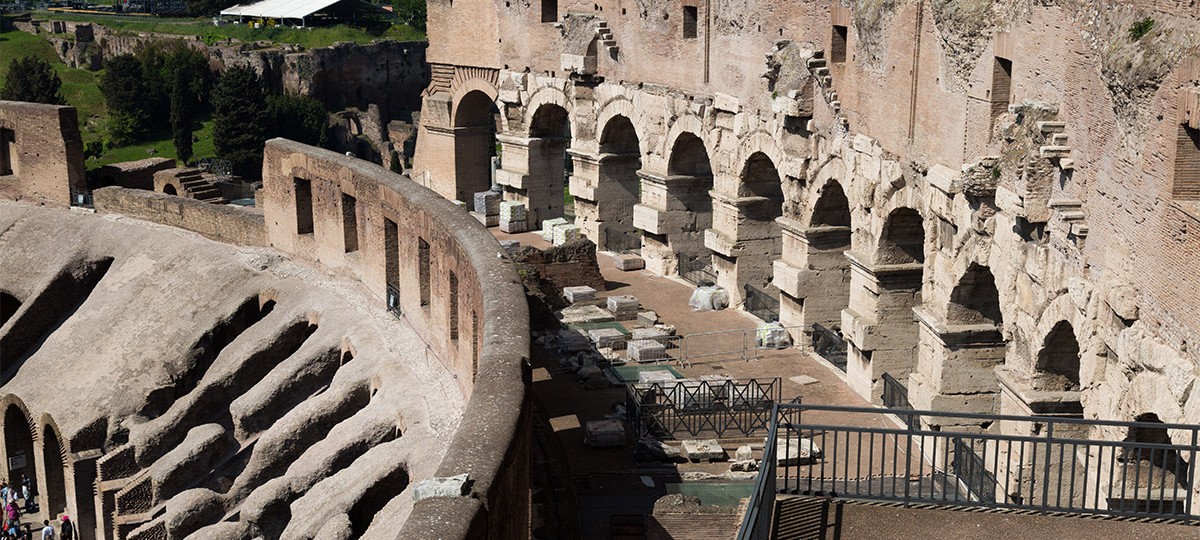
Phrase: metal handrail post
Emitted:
{"points": [[1046, 467], [1191, 478]]}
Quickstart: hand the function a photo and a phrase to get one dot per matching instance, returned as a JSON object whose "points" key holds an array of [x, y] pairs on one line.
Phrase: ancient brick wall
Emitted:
{"points": [[41, 153], [223, 223], [455, 288]]}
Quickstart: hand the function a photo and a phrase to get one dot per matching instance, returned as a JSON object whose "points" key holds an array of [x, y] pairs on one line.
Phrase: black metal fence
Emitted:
{"points": [[830, 345], [756, 525], [761, 304], [1043, 464], [82, 197], [697, 270], [393, 300], [716, 408], [895, 396]]}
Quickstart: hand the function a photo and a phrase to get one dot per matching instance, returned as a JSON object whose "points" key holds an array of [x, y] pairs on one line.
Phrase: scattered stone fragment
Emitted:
{"points": [[703, 450], [651, 449], [647, 318], [796, 451], [450, 486], [628, 262], [604, 433], [747, 465], [581, 293], [743, 453]]}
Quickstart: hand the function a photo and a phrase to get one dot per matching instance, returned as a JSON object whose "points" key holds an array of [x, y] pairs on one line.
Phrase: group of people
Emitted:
{"points": [[13, 528]]}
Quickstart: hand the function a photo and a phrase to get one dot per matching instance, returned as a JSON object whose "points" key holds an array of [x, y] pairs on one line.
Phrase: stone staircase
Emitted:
{"points": [[607, 40], [197, 187], [1070, 211], [820, 69], [1058, 147]]}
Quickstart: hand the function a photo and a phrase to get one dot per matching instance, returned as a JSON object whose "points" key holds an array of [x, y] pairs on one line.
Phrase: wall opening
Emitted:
{"points": [[391, 248], [619, 186], [549, 10], [1058, 361], [8, 151], [475, 343], [18, 443], [975, 299], [423, 263], [1001, 86], [691, 180], [374, 499], [52, 462], [903, 238], [691, 19], [453, 306], [8, 307], [762, 187], [169, 189], [1186, 185], [474, 144], [550, 136], [350, 222], [304, 206], [832, 208], [1173, 468], [837, 48]]}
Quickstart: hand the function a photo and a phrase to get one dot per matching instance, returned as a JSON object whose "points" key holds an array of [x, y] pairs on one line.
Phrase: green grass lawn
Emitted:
{"points": [[80, 87], [163, 146], [306, 37]]}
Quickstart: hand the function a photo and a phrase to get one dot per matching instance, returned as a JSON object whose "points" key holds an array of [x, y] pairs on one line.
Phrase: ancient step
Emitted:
{"points": [[609, 43], [1058, 139], [1058, 152], [1071, 215], [815, 62], [1079, 229], [1065, 203], [1049, 127]]}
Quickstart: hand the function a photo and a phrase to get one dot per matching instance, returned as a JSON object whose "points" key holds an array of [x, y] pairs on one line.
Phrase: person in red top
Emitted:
{"points": [[66, 529]]}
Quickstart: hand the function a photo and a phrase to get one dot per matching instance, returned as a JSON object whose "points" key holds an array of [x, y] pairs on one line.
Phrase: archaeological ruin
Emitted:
{"points": [[963, 234]]}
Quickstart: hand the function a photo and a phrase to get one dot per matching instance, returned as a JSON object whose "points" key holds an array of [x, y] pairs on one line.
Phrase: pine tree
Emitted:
{"points": [[181, 115], [299, 118], [240, 120], [33, 80]]}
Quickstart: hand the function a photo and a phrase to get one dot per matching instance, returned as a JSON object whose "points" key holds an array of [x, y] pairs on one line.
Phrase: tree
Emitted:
{"points": [[181, 116], [299, 118], [33, 80], [240, 120], [190, 80], [410, 12], [125, 93]]}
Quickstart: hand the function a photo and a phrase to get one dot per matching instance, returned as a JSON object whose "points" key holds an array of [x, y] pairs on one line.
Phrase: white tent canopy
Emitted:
{"points": [[295, 9]]}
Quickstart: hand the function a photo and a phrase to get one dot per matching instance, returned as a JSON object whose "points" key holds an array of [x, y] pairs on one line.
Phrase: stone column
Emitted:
{"points": [[667, 220], [881, 335], [605, 188], [532, 172], [812, 275], [955, 364], [1020, 475], [434, 158], [745, 244]]}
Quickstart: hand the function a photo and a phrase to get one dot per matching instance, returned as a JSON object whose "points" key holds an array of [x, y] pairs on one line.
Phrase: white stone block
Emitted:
{"points": [[704, 450], [606, 433], [579, 294], [647, 351]]}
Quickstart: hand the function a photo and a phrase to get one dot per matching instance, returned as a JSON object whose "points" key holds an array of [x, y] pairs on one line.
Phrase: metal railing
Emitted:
{"points": [[895, 396], [756, 525], [696, 270], [82, 197], [760, 303], [393, 300], [1037, 463], [830, 345], [712, 408]]}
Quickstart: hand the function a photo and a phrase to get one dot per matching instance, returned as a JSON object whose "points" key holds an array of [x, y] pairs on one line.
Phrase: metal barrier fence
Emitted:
{"points": [[712, 408], [1043, 464], [830, 345], [696, 270], [895, 396], [82, 197], [393, 300], [761, 304], [756, 525]]}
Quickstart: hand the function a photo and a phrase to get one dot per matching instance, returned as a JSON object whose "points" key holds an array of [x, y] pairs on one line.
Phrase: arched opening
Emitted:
{"points": [[975, 299], [169, 189], [8, 307], [52, 460], [827, 239], [474, 144], [1153, 475], [618, 187], [760, 205], [686, 191], [903, 239], [549, 166], [18, 444], [1058, 361]]}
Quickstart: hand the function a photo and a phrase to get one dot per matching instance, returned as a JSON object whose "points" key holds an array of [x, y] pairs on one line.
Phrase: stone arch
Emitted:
{"points": [[902, 239], [832, 208], [1138, 464], [619, 106], [975, 299], [689, 156], [694, 126], [536, 168], [1058, 360], [545, 95], [20, 434], [617, 187], [55, 449], [681, 206], [169, 189], [474, 125]]}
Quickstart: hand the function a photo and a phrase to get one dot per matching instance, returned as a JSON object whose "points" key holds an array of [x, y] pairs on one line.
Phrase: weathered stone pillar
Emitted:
{"points": [[673, 214], [955, 364], [745, 243], [812, 275], [881, 335], [533, 172], [605, 188], [434, 158], [1020, 475]]}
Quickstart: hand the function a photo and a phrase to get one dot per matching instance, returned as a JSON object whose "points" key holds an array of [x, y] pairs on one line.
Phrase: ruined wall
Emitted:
{"points": [[1030, 148], [455, 286], [224, 223], [41, 153]]}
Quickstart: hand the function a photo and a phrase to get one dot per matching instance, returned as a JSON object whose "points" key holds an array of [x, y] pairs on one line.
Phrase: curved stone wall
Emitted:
{"points": [[455, 287]]}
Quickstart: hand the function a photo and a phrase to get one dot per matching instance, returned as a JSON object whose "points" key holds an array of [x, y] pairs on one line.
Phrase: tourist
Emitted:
{"points": [[67, 529], [47, 531], [25, 495], [11, 511], [3, 492]]}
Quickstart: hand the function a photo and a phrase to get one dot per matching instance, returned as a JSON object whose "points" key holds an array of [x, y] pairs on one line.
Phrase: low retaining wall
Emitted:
{"points": [[458, 290], [232, 224]]}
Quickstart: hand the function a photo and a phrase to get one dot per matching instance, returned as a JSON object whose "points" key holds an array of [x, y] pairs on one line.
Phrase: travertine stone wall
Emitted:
{"points": [[1037, 155], [224, 223], [41, 151]]}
